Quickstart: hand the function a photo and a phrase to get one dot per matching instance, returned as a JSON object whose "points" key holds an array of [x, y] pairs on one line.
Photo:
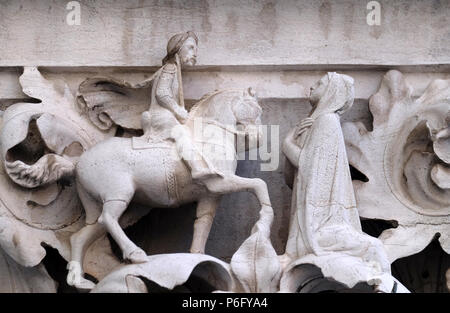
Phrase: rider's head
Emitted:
{"points": [[185, 46]]}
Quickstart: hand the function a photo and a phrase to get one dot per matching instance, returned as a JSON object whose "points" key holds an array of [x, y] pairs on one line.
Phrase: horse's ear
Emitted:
{"points": [[250, 91]]}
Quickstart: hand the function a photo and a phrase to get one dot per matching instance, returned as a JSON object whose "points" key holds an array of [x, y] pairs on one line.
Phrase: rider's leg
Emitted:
{"points": [[200, 168], [146, 122]]}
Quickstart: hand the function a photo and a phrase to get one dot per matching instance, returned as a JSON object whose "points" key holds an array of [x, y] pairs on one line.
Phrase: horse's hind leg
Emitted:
{"points": [[80, 242], [206, 209], [112, 211]]}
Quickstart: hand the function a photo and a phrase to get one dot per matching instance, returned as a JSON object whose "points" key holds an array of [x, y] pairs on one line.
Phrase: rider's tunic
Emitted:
{"points": [[165, 93]]}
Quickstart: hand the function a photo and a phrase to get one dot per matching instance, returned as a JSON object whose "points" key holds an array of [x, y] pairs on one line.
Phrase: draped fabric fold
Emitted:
{"points": [[108, 101]]}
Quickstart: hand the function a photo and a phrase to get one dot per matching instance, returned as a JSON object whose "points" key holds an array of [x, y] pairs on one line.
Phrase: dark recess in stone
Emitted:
{"points": [[424, 272], [56, 268], [357, 175]]}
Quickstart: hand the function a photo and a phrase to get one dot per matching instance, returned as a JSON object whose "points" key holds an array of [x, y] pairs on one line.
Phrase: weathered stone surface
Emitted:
{"points": [[14, 278], [324, 227], [280, 48], [128, 33], [408, 142]]}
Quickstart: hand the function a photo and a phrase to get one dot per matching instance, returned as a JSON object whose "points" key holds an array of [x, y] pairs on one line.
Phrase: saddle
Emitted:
{"points": [[144, 143]]}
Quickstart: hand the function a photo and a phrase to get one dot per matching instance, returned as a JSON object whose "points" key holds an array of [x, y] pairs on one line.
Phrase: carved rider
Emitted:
{"points": [[167, 113]]}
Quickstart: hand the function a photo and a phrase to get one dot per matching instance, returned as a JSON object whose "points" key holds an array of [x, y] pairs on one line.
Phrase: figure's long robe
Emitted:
{"points": [[324, 218]]}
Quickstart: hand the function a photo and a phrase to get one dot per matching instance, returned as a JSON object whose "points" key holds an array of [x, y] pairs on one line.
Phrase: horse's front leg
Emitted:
{"points": [[234, 183], [206, 210]]}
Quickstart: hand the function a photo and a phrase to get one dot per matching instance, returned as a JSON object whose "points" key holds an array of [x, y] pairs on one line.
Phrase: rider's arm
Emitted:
{"points": [[164, 94]]}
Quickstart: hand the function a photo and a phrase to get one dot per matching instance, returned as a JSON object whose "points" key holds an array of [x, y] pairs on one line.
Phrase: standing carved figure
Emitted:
{"points": [[148, 169], [325, 229]]}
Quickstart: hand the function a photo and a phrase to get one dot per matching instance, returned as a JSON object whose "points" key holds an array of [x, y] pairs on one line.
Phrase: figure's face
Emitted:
{"points": [[318, 90], [188, 52]]}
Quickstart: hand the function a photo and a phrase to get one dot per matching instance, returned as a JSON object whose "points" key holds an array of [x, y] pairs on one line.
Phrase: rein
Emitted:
{"points": [[224, 127], [210, 121]]}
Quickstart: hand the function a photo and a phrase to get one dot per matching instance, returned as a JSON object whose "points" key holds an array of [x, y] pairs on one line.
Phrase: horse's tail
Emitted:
{"points": [[37, 148], [46, 170]]}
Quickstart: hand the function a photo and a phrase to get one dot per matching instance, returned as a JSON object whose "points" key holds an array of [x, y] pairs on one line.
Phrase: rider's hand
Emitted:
{"points": [[182, 115]]}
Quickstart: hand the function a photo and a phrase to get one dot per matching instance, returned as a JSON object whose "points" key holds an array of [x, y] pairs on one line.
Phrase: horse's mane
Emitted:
{"points": [[207, 97], [202, 99]]}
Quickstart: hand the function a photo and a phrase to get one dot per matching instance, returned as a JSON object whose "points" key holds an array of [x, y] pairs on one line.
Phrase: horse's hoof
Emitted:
{"points": [[84, 285], [75, 277], [195, 251], [74, 274], [137, 256]]}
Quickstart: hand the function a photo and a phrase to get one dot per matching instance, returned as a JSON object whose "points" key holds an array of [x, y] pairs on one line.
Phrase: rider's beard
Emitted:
{"points": [[189, 61]]}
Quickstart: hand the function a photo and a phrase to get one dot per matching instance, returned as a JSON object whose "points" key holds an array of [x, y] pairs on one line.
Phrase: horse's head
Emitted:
{"points": [[234, 108], [247, 112]]}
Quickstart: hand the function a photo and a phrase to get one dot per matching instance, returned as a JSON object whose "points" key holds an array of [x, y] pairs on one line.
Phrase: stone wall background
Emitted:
{"points": [[231, 33], [278, 47]]}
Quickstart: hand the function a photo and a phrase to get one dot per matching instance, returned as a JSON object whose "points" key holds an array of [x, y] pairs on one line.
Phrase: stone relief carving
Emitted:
{"points": [[166, 182], [55, 151], [253, 268], [118, 164], [20, 279], [40, 142], [46, 145], [406, 160]]}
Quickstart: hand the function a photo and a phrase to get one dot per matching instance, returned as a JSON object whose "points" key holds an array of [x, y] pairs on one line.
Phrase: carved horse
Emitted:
{"points": [[115, 172]]}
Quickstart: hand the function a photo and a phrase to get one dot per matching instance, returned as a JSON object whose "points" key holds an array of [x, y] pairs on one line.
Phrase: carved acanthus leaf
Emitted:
{"points": [[166, 272], [40, 143], [406, 159]]}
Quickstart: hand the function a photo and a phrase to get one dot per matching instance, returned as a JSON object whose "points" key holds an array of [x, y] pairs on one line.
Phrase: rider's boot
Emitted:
{"points": [[201, 172], [200, 167]]}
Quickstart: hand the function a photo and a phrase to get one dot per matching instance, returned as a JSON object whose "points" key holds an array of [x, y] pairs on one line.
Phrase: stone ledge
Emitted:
{"points": [[269, 84]]}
